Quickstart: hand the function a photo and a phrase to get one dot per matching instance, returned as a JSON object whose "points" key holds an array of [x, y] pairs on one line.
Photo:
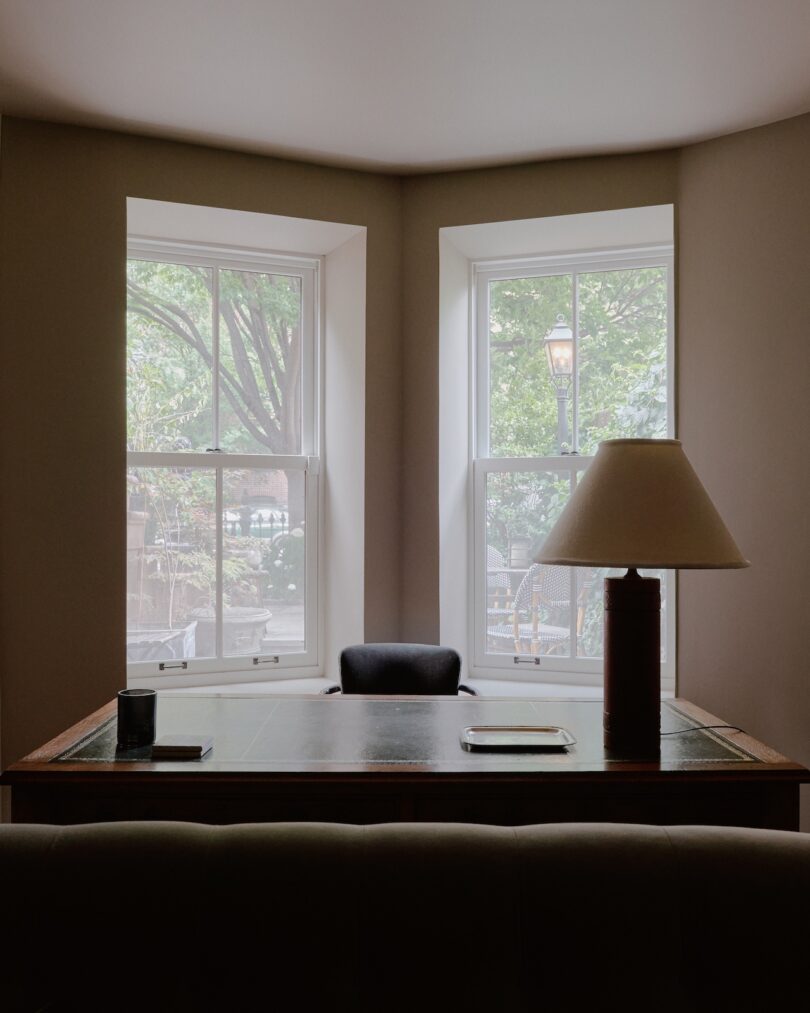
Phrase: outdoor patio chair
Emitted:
{"points": [[500, 589], [537, 620]]}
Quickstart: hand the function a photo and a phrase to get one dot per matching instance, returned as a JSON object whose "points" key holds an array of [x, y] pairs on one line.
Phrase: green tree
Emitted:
{"points": [[169, 390], [621, 391], [623, 353], [522, 404], [621, 359]]}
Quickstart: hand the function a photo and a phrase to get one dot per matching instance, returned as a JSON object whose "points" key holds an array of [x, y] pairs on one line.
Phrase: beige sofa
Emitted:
{"points": [[299, 917]]}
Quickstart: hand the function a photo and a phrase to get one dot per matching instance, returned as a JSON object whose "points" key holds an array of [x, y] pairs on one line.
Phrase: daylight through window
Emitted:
{"points": [[569, 351], [222, 506]]}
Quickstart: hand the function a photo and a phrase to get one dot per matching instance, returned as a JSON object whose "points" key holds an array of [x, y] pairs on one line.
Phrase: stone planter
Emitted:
{"points": [[242, 630], [154, 642]]}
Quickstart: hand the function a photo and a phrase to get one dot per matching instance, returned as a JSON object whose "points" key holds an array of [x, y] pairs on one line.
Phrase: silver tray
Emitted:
{"points": [[517, 738]]}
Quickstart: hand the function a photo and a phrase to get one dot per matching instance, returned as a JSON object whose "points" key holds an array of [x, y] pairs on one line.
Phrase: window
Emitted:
{"points": [[568, 351], [222, 465]]}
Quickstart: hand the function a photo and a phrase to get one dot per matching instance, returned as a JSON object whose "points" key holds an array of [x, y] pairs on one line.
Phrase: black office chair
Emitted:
{"points": [[400, 670]]}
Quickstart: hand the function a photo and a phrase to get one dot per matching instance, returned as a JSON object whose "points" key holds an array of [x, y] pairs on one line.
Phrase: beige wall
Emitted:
{"points": [[465, 198], [62, 243], [744, 382]]}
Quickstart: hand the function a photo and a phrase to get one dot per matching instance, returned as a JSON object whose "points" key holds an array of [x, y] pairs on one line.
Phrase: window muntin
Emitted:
{"points": [[619, 309], [222, 519]]}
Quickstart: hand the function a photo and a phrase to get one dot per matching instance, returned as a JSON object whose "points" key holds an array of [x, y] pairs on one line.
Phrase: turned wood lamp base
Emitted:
{"points": [[632, 717]]}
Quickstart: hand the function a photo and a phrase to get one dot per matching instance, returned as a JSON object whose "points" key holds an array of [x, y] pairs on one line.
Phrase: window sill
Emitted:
{"points": [[310, 686], [525, 688], [542, 690]]}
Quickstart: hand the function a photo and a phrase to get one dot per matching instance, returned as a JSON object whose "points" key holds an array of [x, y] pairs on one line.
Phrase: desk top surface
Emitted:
{"points": [[417, 736]]}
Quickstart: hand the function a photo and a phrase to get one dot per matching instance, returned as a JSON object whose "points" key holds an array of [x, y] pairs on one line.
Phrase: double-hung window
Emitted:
{"points": [[222, 462], [569, 350]]}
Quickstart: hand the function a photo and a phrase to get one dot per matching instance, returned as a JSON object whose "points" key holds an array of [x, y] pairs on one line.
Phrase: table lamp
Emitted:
{"points": [[639, 504]]}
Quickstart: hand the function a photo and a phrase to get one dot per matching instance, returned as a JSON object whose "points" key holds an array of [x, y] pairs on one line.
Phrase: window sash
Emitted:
{"points": [[244, 667], [545, 267], [306, 269], [546, 668], [299, 663]]}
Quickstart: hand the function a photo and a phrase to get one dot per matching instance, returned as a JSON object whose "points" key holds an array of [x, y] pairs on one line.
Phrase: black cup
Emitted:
{"points": [[136, 718]]}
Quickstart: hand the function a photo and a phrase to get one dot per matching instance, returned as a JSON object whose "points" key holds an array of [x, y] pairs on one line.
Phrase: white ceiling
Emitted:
{"points": [[409, 85]]}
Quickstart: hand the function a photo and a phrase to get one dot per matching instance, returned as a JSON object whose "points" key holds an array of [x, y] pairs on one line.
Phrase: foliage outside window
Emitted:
{"points": [[222, 497], [534, 439]]}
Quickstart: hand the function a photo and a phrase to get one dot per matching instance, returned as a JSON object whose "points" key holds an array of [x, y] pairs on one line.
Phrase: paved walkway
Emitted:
{"points": [[286, 626]]}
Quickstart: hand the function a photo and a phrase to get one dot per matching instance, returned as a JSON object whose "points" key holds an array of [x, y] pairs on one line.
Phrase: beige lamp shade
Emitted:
{"points": [[640, 504]]}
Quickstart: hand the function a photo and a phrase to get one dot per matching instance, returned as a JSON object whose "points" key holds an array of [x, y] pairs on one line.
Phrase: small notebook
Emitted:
{"points": [[181, 747]]}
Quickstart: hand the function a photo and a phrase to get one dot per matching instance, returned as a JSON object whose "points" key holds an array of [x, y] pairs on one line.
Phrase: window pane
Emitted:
{"points": [[590, 608], [260, 363], [622, 355], [528, 605], [525, 420], [590, 602], [171, 575], [169, 386], [264, 562]]}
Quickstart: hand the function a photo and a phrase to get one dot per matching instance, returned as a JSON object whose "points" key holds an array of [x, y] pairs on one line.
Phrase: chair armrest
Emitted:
{"points": [[467, 689], [329, 690]]}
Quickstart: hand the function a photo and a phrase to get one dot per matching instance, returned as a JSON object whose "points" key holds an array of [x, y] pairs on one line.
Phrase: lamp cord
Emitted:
{"points": [[699, 728]]}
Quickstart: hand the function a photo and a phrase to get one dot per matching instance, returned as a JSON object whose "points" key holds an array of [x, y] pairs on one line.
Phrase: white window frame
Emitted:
{"points": [[278, 665], [547, 668]]}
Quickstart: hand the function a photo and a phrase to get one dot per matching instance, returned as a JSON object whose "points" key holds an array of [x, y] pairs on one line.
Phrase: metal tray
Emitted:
{"points": [[517, 738]]}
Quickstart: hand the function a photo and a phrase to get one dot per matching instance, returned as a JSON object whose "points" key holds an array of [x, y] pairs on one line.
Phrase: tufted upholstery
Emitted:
{"points": [[418, 917]]}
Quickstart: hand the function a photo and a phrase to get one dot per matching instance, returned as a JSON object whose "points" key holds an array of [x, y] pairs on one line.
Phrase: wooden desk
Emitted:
{"points": [[378, 759]]}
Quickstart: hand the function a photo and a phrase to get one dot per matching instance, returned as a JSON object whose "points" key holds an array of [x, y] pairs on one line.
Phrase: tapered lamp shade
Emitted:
{"points": [[640, 504]]}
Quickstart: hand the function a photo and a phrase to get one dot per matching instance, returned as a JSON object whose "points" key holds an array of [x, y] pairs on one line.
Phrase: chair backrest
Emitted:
{"points": [[545, 585], [400, 669]]}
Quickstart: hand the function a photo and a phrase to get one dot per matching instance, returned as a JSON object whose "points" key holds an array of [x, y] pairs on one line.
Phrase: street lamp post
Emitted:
{"points": [[559, 345]]}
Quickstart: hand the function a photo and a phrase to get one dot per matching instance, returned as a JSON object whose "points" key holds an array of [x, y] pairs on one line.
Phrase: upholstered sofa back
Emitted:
{"points": [[299, 917]]}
